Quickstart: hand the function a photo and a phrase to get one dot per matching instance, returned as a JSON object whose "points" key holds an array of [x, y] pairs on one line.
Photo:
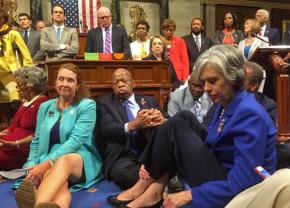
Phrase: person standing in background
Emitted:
{"points": [[31, 37], [196, 42], [13, 55], [140, 48], [59, 41], [228, 34], [176, 50]]}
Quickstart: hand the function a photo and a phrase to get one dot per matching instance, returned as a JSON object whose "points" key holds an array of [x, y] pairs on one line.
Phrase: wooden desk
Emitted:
{"points": [[152, 77]]}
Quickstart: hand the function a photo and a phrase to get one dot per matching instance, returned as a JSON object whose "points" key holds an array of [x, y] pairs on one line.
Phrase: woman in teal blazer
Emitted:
{"points": [[62, 154]]}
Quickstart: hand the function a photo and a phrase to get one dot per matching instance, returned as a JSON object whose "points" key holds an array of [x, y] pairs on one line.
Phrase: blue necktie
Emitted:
{"points": [[133, 137], [58, 30], [129, 113]]}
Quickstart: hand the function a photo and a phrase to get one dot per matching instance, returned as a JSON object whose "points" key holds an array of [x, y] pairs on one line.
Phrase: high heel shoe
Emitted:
{"points": [[116, 202]]}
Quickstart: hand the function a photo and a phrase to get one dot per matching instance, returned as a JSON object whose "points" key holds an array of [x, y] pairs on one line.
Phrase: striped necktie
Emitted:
{"points": [[107, 42]]}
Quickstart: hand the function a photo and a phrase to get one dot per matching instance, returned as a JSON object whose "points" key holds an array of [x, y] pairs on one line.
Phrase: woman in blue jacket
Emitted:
{"points": [[217, 163], [62, 154]]}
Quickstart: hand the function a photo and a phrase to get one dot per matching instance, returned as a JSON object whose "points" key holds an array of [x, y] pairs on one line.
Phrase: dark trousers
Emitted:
{"points": [[125, 171], [178, 147], [283, 155]]}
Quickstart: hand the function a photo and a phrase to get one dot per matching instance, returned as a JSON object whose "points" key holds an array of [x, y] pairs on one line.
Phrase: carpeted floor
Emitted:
{"points": [[81, 199]]}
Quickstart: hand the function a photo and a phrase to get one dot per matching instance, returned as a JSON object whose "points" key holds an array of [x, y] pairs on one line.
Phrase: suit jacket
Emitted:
{"points": [[173, 77], [246, 141], [238, 35], [75, 134], [111, 125], [256, 44], [273, 34], [50, 44], [183, 100], [287, 36], [179, 57], [192, 49], [33, 45], [120, 41]]}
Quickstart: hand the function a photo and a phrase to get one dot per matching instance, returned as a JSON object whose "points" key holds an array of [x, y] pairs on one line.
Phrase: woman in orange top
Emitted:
{"points": [[228, 34]]}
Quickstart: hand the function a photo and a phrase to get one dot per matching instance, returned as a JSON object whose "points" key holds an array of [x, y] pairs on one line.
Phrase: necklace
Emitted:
{"points": [[222, 123]]}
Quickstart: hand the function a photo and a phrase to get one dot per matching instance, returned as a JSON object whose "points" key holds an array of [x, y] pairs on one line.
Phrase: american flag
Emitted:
{"points": [[81, 14]]}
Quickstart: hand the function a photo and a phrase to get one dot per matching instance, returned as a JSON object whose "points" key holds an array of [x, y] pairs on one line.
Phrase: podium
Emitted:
{"points": [[263, 57], [152, 77]]}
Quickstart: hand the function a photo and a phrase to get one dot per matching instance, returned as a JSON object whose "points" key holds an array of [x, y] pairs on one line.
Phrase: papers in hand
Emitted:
{"points": [[13, 174]]}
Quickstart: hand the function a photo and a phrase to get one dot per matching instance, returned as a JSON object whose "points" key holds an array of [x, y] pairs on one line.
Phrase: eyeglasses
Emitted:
{"points": [[21, 86], [104, 17]]}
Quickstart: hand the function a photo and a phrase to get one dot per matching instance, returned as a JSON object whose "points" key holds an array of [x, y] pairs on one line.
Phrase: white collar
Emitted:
{"points": [[194, 36], [58, 26], [28, 103]]}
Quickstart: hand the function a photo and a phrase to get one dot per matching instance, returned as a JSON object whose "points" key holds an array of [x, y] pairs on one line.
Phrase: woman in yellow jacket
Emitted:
{"points": [[13, 55]]}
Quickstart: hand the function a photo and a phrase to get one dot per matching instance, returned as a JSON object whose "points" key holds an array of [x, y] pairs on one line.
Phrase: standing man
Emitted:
{"points": [[59, 41], [141, 47], [126, 123], [39, 25], [262, 16], [108, 38], [196, 42], [191, 98], [31, 37]]}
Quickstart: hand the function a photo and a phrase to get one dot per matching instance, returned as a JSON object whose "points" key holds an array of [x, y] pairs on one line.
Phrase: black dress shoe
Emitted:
{"points": [[157, 205], [116, 202]]}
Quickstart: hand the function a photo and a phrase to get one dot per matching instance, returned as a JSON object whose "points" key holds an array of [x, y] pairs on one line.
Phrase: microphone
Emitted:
{"points": [[256, 36], [50, 113]]}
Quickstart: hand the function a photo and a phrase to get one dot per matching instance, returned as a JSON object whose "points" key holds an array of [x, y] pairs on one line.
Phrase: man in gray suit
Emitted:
{"points": [[31, 37], [191, 98], [59, 41]]}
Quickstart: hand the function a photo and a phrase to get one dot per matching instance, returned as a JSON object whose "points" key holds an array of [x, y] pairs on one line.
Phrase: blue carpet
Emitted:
{"points": [[80, 199]]}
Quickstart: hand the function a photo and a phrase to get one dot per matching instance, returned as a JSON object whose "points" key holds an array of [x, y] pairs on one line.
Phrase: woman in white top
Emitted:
{"points": [[140, 47], [249, 45], [251, 42]]}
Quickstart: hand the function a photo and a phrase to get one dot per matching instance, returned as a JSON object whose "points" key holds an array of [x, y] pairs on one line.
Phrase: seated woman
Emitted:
{"points": [[15, 139], [228, 34], [158, 52], [218, 163], [62, 154]]}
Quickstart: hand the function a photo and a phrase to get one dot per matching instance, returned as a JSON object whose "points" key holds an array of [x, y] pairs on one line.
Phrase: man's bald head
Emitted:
{"points": [[123, 83]]}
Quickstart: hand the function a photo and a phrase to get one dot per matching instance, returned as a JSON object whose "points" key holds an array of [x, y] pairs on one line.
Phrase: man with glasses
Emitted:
{"points": [[59, 41], [108, 38]]}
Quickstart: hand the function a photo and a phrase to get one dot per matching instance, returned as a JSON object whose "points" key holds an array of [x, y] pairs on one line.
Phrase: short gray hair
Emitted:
{"points": [[103, 9], [265, 12], [35, 77], [257, 74], [227, 60]]}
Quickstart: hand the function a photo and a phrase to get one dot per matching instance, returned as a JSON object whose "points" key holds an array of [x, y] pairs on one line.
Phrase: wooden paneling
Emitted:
{"points": [[152, 77]]}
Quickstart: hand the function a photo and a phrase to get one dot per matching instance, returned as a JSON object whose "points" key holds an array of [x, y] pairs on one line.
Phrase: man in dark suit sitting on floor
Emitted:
{"points": [[108, 38], [126, 123]]}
